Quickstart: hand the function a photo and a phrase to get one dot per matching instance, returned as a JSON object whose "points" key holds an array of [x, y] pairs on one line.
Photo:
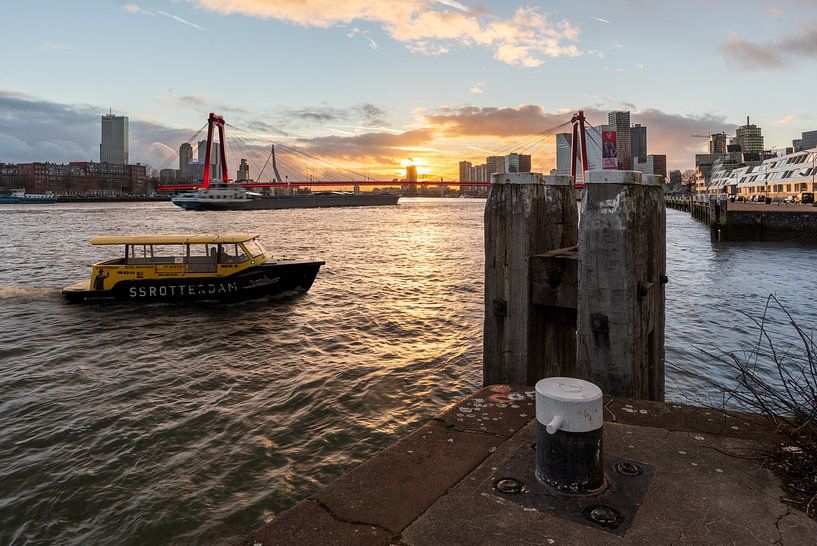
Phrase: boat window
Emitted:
{"points": [[254, 248], [230, 254]]}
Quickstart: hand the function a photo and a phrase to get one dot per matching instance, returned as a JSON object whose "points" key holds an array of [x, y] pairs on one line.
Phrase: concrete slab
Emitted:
{"points": [[709, 486], [498, 409], [308, 524], [699, 495]]}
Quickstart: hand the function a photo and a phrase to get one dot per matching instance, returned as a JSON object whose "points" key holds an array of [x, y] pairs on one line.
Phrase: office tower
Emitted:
{"points": [[114, 146], [494, 164], [185, 156], [243, 171], [717, 143], [749, 138], [638, 142], [621, 122], [215, 158]]}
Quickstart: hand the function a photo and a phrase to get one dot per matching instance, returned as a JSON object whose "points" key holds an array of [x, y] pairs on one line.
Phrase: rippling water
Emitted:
{"points": [[194, 423]]}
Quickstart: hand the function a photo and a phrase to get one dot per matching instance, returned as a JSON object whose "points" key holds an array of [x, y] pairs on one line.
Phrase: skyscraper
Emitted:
{"points": [[215, 158], [411, 173], [243, 171], [621, 121], [749, 138], [638, 142], [114, 146], [185, 156], [494, 164], [465, 171]]}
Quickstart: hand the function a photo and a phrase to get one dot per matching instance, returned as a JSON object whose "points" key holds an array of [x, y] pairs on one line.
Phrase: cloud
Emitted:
{"points": [[136, 9], [380, 146], [600, 20], [786, 120], [51, 46], [32, 129], [476, 89], [366, 114], [526, 39], [779, 54]]}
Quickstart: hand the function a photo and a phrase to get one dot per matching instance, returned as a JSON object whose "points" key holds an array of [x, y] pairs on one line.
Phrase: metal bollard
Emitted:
{"points": [[569, 419]]}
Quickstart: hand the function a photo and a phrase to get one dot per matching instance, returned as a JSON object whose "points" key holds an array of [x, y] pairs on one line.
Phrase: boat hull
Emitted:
{"points": [[264, 280], [291, 202]]}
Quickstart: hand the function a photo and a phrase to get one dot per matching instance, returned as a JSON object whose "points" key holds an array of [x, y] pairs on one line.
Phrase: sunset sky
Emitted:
{"points": [[368, 84]]}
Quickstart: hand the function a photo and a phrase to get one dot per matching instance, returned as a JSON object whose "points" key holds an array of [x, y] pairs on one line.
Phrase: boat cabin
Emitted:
{"points": [[167, 256]]}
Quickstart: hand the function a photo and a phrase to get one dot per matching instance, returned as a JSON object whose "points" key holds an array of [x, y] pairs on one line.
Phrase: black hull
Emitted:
{"points": [[279, 279], [305, 201]]}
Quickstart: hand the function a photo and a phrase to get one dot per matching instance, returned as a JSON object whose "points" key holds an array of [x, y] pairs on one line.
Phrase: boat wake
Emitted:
{"points": [[27, 293]]}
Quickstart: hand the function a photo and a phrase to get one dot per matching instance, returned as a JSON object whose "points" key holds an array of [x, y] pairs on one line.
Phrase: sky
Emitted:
{"points": [[370, 85]]}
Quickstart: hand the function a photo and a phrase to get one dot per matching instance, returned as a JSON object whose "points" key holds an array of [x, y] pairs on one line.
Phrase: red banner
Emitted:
{"points": [[609, 154]]}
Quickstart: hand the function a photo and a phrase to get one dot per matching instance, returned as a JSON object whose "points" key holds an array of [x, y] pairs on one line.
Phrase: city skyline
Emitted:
{"points": [[371, 85]]}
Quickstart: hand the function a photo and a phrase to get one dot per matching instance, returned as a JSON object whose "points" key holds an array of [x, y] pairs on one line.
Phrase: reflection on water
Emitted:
{"points": [[193, 423]]}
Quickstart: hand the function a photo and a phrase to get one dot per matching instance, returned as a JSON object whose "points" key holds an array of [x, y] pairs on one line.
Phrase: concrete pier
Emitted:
{"points": [[744, 221], [437, 485]]}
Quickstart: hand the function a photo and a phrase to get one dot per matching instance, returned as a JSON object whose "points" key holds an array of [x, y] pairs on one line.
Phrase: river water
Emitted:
{"points": [[148, 424]]}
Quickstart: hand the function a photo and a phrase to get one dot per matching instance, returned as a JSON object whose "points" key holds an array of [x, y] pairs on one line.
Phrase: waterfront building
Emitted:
{"points": [[75, 178], [749, 138], [185, 157], [114, 146], [638, 143], [675, 180], [620, 121], [774, 177], [243, 173]]}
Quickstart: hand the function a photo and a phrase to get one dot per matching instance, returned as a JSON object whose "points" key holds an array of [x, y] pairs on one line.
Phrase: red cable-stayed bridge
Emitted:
{"points": [[298, 161]]}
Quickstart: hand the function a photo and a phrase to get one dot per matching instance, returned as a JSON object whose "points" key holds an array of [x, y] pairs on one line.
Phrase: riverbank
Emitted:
{"points": [[705, 483]]}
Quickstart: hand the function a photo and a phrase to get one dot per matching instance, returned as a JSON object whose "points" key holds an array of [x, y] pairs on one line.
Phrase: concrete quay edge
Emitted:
{"points": [[425, 488]]}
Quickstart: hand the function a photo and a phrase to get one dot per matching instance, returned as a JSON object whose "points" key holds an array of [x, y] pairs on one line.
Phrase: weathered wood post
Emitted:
{"points": [[622, 261], [526, 214]]}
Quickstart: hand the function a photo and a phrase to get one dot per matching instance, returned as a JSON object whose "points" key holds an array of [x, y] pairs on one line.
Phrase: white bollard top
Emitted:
{"points": [[569, 404]]}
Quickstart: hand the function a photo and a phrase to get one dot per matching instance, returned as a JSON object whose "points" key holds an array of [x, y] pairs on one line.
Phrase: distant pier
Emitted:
{"points": [[744, 221]]}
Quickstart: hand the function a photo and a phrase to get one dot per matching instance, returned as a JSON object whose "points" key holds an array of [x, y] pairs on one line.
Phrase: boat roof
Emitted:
{"points": [[175, 239]]}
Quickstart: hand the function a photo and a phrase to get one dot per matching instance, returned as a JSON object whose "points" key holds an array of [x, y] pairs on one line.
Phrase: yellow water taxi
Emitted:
{"points": [[229, 266]]}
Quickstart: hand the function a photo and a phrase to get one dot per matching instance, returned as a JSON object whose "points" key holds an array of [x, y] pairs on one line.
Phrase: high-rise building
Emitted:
{"points": [[651, 164], [114, 146], [411, 173], [749, 138], [638, 142], [215, 158], [717, 143], [243, 171], [516, 163], [564, 143], [185, 156], [466, 171], [494, 164], [808, 141], [621, 123]]}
